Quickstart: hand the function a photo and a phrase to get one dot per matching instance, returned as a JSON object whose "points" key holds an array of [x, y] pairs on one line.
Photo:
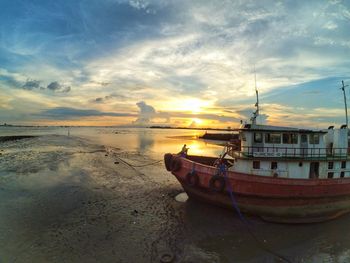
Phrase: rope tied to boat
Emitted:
{"points": [[193, 167], [222, 170]]}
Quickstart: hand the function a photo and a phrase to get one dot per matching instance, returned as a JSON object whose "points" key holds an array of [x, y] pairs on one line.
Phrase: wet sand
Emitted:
{"points": [[66, 200], [15, 138]]}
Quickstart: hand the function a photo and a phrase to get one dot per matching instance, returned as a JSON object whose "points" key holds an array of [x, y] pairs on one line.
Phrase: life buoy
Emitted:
{"points": [[217, 183], [175, 164], [192, 178], [167, 161]]}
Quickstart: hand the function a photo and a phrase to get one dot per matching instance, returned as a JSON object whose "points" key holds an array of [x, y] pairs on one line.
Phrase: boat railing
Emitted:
{"points": [[289, 152]]}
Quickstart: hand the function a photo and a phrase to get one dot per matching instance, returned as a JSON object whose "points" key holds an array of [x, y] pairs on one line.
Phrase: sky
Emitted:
{"points": [[173, 63]]}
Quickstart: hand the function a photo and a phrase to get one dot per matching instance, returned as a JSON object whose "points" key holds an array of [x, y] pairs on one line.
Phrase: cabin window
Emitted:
{"points": [[272, 138], [314, 138], [300, 164], [330, 165], [330, 175], [303, 138], [273, 165], [256, 164], [342, 174], [290, 138], [258, 137], [343, 164]]}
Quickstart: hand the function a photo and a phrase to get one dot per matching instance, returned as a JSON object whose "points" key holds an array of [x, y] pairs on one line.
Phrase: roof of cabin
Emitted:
{"points": [[269, 128]]}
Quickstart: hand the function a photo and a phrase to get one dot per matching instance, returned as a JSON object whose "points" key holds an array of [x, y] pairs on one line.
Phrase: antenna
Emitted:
{"points": [[346, 107], [256, 113], [257, 95]]}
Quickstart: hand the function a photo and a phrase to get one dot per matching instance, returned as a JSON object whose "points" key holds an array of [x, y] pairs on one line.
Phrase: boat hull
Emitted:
{"points": [[280, 200]]}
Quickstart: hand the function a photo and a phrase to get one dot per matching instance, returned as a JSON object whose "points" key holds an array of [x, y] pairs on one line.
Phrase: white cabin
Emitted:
{"points": [[291, 153]]}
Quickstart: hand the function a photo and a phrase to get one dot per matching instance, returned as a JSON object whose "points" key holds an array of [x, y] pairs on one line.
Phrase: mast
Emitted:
{"points": [[346, 107]]}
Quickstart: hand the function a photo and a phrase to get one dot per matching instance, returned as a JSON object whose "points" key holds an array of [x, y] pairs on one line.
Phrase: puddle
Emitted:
{"points": [[182, 197]]}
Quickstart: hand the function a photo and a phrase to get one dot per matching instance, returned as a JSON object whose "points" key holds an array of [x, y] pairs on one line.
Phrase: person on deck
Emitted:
{"points": [[184, 150]]}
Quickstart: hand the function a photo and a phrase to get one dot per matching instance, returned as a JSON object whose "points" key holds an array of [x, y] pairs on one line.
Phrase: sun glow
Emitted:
{"points": [[197, 121], [189, 105]]}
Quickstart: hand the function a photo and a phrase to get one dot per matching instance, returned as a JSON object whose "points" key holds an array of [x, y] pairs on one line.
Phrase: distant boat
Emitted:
{"points": [[219, 136], [281, 174]]}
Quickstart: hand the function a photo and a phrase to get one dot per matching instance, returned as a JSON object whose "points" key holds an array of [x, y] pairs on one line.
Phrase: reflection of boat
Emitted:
{"points": [[281, 174]]}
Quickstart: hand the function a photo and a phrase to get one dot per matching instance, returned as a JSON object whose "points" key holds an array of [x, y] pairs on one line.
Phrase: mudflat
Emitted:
{"points": [[64, 199]]}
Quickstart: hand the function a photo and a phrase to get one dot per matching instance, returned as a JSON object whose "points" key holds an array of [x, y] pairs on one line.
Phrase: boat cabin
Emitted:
{"points": [[290, 152]]}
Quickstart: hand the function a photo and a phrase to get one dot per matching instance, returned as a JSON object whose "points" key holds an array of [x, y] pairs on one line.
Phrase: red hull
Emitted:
{"points": [[274, 199]]}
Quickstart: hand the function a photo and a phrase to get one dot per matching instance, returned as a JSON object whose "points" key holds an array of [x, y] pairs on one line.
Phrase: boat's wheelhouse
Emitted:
{"points": [[291, 153]]}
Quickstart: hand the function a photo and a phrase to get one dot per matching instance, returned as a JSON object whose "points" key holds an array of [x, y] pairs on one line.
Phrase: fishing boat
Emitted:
{"points": [[282, 174]]}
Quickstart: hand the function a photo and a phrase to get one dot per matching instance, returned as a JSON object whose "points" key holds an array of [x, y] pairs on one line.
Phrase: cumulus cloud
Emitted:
{"points": [[193, 124], [146, 113]]}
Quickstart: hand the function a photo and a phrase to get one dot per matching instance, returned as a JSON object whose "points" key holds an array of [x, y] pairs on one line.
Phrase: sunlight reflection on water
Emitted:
{"points": [[153, 142]]}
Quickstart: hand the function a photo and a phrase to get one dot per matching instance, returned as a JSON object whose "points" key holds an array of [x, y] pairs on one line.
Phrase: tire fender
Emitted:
{"points": [[167, 161], [217, 183], [192, 178], [175, 164]]}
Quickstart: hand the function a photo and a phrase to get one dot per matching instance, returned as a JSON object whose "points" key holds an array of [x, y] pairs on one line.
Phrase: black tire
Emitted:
{"points": [[167, 257], [217, 183], [192, 179], [167, 161], [175, 164]]}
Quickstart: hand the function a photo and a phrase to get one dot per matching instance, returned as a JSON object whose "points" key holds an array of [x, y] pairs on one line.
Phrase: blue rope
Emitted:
{"points": [[223, 170]]}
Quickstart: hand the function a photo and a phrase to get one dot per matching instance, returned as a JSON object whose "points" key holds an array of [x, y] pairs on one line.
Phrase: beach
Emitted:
{"points": [[89, 198]]}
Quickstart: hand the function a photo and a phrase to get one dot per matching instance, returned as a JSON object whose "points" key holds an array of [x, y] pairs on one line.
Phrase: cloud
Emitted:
{"points": [[193, 124], [146, 113], [99, 100], [101, 83], [330, 25], [162, 51], [32, 84], [108, 98], [57, 87], [16, 80], [71, 113]]}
